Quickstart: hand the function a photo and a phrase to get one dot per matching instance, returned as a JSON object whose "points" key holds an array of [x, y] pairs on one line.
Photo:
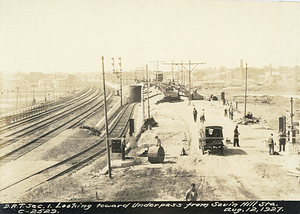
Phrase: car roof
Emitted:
{"points": [[213, 127]]}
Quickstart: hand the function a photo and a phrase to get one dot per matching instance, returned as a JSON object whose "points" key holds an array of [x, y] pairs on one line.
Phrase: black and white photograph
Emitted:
{"points": [[149, 106]]}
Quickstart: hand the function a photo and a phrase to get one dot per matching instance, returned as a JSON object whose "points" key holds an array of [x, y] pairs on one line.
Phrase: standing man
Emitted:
{"points": [[225, 111], [158, 141], [195, 114], [123, 146], [271, 144], [202, 117], [191, 194], [230, 110], [236, 137], [282, 140]]}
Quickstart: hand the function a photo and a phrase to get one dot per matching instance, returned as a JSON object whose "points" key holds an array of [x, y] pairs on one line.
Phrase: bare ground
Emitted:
{"points": [[244, 173]]}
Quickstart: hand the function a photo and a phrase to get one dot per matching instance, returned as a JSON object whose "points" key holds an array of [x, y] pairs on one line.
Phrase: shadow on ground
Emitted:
{"points": [[229, 152]]}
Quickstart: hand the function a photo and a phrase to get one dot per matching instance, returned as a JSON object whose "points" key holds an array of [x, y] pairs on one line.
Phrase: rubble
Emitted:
{"points": [[93, 131]]}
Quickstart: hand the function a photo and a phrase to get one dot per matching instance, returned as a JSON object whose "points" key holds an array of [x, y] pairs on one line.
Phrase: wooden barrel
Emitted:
{"points": [[156, 154]]}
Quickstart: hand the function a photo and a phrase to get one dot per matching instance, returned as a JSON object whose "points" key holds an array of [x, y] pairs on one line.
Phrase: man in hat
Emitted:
{"points": [[236, 137], [202, 117], [158, 141], [271, 144], [195, 114], [123, 146], [282, 140], [191, 194]]}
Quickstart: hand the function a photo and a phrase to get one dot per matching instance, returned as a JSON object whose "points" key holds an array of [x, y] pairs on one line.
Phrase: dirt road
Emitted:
{"points": [[243, 173]]}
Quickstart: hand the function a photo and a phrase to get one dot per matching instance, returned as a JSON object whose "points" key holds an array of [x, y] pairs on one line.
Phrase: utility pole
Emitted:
{"points": [[245, 93], [106, 123], [148, 92], [135, 77], [120, 79], [7, 97], [190, 71], [156, 63], [182, 82], [292, 122], [172, 67], [33, 94], [26, 94], [143, 97], [53, 91], [118, 76], [45, 92], [17, 97]]}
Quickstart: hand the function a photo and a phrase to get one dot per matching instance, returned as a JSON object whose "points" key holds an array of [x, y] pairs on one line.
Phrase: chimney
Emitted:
{"points": [[242, 75]]}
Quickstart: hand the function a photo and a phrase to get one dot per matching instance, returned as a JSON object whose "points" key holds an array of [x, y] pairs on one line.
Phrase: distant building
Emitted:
{"points": [[42, 83], [36, 76]]}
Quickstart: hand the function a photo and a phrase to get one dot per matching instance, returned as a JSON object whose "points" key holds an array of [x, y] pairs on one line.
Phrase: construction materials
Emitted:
{"points": [[156, 154]]}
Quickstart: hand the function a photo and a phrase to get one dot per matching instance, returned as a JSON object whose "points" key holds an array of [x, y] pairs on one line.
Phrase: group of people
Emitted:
{"points": [[228, 111], [272, 143], [202, 116]]}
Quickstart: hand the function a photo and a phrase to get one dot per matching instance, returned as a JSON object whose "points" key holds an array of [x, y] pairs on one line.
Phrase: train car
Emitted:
{"points": [[159, 77]]}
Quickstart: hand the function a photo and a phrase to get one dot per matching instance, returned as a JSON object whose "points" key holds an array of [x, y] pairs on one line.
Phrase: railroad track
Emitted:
{"points": [[33, 112], [24, 149], [59, 106], [117, 128], [76, 105]]}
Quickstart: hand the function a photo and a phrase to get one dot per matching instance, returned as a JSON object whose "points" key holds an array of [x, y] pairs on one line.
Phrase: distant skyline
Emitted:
{"points": [[72, 35]]}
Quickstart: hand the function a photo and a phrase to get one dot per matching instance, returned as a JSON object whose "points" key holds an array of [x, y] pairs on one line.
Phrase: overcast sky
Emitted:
{"points": [[72, 35]]}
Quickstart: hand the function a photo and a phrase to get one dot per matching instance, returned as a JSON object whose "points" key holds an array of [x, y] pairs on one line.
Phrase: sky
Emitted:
{"points": [[73, 35]]}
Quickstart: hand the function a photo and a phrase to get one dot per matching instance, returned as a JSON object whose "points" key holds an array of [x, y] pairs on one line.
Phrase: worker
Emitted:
{"points": [[282, 141], [191, 194], [202, 117], [158, 141], [225, 111], [123, 146], [236, 137], [195, 114], [271, 144]]}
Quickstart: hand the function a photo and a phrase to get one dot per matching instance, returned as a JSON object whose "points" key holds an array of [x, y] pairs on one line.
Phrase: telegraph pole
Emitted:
{"points": [[292, 122], [172, 67], [33, 94], [245, 93], [113, 64], [156, 63], [182, 82], [26, 94], [17, 97], [106, 123], [45, 92], [190, 71], [120, 79], [148, 92]]}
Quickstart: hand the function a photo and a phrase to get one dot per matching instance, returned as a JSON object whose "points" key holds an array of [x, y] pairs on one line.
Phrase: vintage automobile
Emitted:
{"points": [[211, 139]]}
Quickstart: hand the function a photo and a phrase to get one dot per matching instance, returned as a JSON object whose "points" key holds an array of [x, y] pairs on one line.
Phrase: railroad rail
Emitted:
{"points": [[24, 149], [66, 110], [34, 115], [118, 126], [37, 109]]}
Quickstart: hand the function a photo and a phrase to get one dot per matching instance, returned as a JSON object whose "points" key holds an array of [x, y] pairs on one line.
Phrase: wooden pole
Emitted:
{"points": [[245, 93], [106, 123], [17, 97], [293, 131], [120, 79], [190, 82], [148, 92]]}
